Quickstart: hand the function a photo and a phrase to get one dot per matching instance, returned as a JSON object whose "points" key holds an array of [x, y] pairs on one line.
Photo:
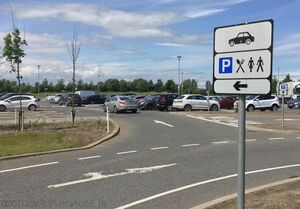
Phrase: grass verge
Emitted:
{"points": [[33, 142]]}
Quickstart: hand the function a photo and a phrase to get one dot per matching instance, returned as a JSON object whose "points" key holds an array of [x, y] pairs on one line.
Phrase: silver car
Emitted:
{"points": [[189, 102], [118, 104], [28, 102]]}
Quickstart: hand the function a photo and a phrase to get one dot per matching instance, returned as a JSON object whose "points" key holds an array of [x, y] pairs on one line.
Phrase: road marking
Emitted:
{"points": [[279, 138], [212, 121], [298, 137], [90, 157], [250, 140], [221, 142], [126, 152], [163, 123], [189, 145], [30, 166], [201, 183], [158, 148], [93, 176]]}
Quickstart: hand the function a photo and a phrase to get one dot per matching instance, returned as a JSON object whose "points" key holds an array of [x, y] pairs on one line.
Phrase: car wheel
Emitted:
{"points": [[32, 108], [169, 108], [148, 107], [134, 111], [274, 108], [214, 107], [248, 41], [187, 108], [92, 102], [116, 109], [262, 110], [2, 108], [250, 108], [160, 109], [231, 43]]}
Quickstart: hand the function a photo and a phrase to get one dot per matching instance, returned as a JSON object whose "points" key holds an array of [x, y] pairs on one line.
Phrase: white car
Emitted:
{"points": [[189, 102], [261, 102], [28, 102]]}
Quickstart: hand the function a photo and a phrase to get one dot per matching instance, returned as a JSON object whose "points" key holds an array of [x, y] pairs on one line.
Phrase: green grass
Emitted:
{"points": [[33, 142]]}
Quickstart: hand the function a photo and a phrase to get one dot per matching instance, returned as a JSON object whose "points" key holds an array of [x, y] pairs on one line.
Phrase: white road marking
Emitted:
{"points": [[126, 152], [189, 145], [288, 119], [221, 142], [26, 167], [98, 175], [250, 140], [212, 121], [201, 183], [163, 123], [279, 138], [158, 148], [298, 137], [90, 157]]}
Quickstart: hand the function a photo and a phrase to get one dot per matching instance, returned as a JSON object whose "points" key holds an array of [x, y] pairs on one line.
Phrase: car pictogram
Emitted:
{"points": [[242, 38]]}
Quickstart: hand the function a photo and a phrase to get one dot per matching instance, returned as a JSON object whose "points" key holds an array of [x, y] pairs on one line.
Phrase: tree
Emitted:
{"points": [[159, 86], [170, 86], [60, 86], [13, 52], [274, 85], [123, 85], [74, 51], [287, 78], [190, 86], [112, 84]]}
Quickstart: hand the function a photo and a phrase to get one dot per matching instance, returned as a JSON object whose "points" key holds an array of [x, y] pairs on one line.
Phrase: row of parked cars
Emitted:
{"points": [[12, 101], [68, 98]]}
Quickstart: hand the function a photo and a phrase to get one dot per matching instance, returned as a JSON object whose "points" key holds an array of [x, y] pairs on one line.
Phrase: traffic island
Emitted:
{"points": [[46, 138], [279, 195]]}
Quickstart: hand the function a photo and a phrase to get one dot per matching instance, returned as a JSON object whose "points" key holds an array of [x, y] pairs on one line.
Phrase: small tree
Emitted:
{"points": [[74, 51], [287, 78], [13, 52]]}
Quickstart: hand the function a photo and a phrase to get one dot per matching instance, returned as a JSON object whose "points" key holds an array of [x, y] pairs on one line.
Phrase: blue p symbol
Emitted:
{"points": [[225, 65]]}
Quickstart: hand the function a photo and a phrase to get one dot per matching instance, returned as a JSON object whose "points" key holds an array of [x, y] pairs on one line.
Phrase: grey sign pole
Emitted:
{"points": [[282, 102], [241, 153]]}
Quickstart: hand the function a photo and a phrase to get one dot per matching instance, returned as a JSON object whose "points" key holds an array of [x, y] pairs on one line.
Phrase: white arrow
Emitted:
{"points": [[98, 175], [161, 122]]}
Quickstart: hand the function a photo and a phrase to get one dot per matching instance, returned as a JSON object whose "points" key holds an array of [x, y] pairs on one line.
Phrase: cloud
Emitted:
{"points": [[202, 13], [170, 44], [289, 45]]}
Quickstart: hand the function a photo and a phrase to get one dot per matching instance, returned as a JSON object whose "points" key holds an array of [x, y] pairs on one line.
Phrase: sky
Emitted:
{"points": [[129, 39]]}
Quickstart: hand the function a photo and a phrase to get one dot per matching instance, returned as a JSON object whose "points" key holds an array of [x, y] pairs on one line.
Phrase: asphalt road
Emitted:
{"points": [[159, 160]]}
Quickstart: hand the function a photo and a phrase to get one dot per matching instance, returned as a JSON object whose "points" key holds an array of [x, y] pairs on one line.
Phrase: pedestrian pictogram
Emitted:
{"points": [[260, 63], [251, 64]]}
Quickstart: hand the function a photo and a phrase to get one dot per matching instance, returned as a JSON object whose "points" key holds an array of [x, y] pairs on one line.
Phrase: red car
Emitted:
{"points": [[227, 102]]}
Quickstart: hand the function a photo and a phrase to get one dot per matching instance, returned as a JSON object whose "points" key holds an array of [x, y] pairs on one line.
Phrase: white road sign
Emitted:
{"points": [[243, 56]]}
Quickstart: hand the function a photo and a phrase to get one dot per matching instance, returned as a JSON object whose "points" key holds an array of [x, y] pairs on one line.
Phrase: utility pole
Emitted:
{"points": [[38, 89], [179, 83]]}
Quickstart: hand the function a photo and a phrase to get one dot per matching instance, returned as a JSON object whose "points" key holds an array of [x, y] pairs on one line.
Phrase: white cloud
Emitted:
{"points": [[170, 44], [202, 13], [289, 45]]}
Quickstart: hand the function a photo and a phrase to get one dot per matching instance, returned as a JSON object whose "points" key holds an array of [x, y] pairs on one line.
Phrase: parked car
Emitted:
{"points": [[7, 95], [149, 102], [165, 101], [120, 103], [1, 94], [294, 103], [56, 99], [260, 102], [242, 38], [138, 98], [189, 102], [215, 98], [66, 99], [94, 99], [227, 102], [28, 102]]}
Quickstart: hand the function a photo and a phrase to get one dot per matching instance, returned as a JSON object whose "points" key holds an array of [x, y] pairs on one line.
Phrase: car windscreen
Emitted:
{"points": [[125, 98], [180, 97], [250, 97]]}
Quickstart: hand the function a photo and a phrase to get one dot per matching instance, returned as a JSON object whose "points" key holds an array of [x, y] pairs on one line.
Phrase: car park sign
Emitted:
{"points": [[243, 58]]}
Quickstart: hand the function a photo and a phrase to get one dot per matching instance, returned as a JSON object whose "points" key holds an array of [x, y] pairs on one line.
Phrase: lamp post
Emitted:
{"points": [[179, 83], [38, 68]]}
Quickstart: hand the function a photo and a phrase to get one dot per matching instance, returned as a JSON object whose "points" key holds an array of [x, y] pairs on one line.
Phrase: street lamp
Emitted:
{"points": [[38, 68], [179, 83]]}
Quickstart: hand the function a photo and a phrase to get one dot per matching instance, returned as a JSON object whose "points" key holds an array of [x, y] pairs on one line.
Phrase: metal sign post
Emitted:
{"points": [[283, 88], [243, 66], [241, 152], [282, 110]]}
